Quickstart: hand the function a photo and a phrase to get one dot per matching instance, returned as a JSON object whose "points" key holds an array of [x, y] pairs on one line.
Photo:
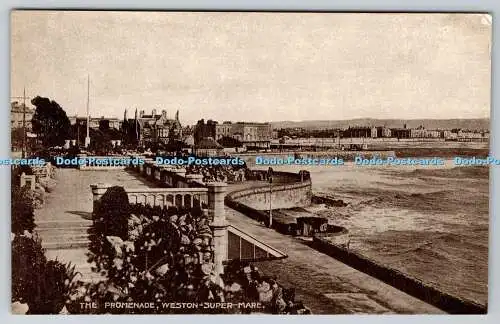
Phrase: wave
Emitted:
{"points": [[475, 172]]}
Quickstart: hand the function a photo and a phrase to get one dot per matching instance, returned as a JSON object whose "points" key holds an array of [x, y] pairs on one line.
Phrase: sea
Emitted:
{"points": [[430, 222]]}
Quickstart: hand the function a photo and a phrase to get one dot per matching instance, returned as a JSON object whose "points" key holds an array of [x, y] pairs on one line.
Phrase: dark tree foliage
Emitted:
{"points": [[131, 130], [110, 219], [50, 122], [23, 217], [229, 142], [43, 285], [100, 142]]}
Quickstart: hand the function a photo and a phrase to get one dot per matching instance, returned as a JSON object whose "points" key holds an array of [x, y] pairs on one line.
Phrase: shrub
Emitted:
{"points": [[22, 208], [43, 285], [110, 219]]}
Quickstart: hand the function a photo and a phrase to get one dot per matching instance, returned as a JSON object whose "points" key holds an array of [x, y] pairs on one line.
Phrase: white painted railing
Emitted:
{"points": [[166, 197]]}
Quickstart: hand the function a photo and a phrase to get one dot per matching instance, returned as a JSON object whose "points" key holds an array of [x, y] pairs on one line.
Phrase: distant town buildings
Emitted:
{"points": [[355, 132], [96, 123], [383, 132], [366, 132], [250, 135]]}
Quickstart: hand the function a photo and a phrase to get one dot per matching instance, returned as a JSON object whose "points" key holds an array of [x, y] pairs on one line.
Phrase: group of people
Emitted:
{"points": [[222, 173]]}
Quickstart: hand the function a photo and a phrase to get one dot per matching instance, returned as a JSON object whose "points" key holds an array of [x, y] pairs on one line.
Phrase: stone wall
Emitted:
{"points": [[288, 190], [282, 196]]}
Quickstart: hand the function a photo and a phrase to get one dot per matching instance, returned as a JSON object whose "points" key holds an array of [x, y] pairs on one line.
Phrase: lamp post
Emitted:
{"points": [[270, 179]]}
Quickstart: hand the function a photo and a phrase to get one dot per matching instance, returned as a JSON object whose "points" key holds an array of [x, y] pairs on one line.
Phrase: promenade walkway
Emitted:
{"points": [[324, 284], [63, 221]]}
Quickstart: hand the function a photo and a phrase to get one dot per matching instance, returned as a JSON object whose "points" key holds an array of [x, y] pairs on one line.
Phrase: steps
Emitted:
{"points": [[63, 234]]}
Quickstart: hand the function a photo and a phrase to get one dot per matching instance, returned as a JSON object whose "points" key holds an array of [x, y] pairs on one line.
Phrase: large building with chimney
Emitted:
{"points": [[152, 128], [250, 135]]}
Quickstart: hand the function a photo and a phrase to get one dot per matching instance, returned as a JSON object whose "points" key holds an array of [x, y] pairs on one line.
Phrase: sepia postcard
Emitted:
{"points": [[250, 162]]}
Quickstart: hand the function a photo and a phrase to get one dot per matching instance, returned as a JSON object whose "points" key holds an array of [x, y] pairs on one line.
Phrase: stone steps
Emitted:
{"points": [[63, 235], [65, 245], [55, 223]]}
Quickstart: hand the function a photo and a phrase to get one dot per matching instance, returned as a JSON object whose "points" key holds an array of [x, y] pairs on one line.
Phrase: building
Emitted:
{"points": [[472, 135], [96, 123], [204, 130], [223, 130], [449, 135], [153, 128], [401, 133], [383, 132], [421, 132], [250, 135], [433, 133], [16, 115], [360, 132], [208, 147]]}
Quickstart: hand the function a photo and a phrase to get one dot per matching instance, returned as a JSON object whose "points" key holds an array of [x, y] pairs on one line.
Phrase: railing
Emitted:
{"points": [[243, 246], [45, 171], [166, 197]]}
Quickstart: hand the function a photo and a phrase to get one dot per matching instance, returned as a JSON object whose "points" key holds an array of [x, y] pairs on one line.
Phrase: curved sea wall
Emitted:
{"points": [[396, 278], [288, 190]]}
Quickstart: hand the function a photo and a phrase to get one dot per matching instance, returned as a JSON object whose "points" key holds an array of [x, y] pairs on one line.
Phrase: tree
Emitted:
{"points": [[50, 122], [229, 142]]}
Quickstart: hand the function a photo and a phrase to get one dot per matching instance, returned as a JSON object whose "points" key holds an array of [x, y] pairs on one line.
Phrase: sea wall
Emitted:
{"points": [[288, 190], [396, 278]]}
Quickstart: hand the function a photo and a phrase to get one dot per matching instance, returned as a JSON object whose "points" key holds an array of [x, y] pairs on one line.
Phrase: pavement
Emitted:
{"points": [[325, 285], [64, 219]]}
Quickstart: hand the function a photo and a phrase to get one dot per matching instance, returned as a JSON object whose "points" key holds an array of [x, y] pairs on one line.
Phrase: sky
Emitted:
{"points": [[255, 66]]}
